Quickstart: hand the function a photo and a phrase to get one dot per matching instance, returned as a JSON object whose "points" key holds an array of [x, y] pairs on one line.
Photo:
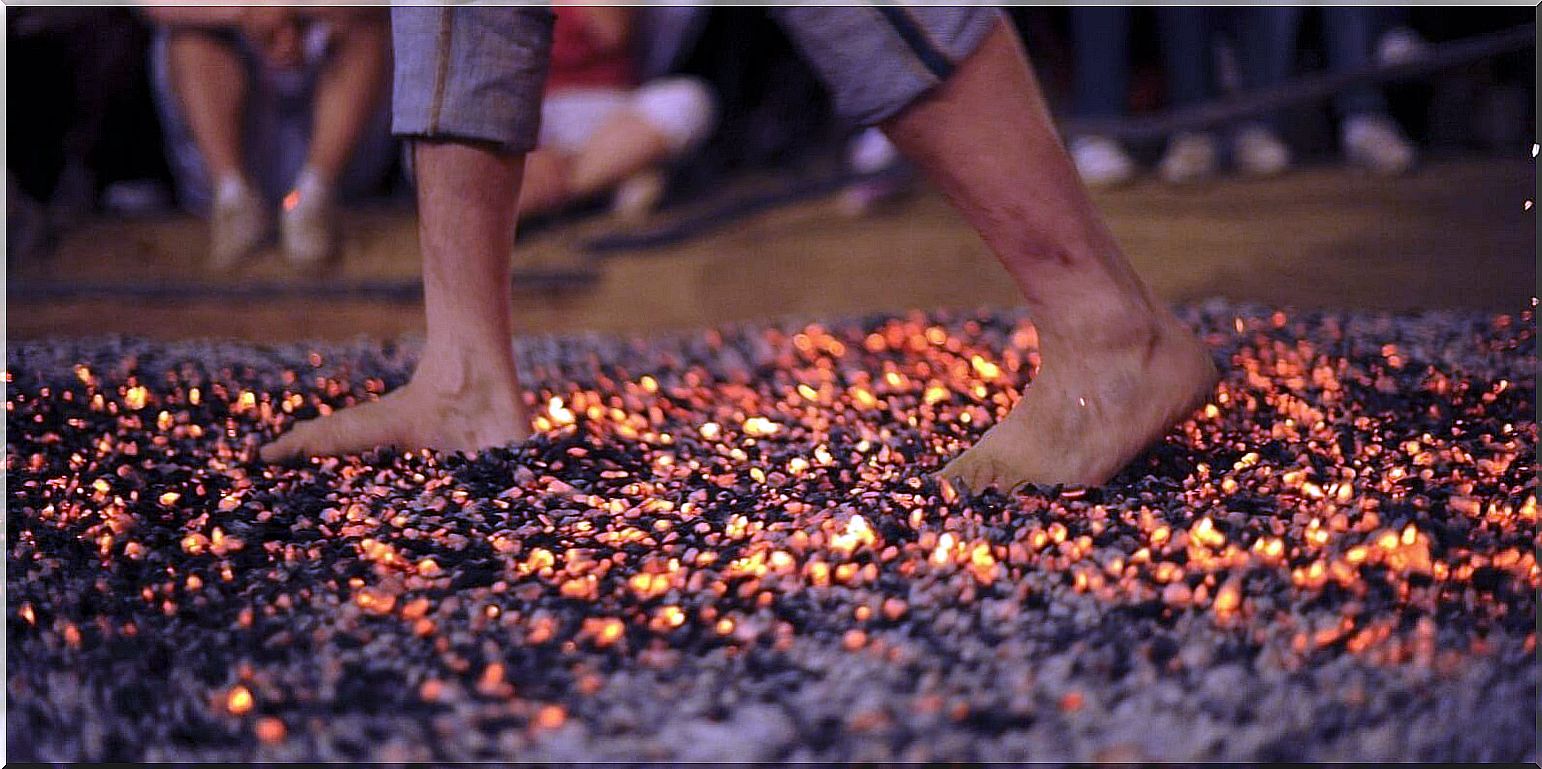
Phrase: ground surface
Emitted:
{"points": [[1454, 235], [724, 545]]}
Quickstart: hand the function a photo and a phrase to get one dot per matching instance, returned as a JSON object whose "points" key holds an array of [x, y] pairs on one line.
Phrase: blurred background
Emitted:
{"points": [[229, 172]]}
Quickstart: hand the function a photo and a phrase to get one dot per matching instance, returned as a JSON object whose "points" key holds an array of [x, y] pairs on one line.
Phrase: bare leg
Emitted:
{"points": [[210, 81], [622, 146], [348, 90], [211, 86], [546, 182], [1118, 369], [464, 394]]}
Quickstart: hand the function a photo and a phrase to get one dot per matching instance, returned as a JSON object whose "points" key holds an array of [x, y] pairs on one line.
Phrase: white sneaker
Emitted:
{"points": [[638, 196], [1375, 143], [239, 225], [1101, 161], [1190, 157], [870, 152], [1258, 151], [309, 227]]}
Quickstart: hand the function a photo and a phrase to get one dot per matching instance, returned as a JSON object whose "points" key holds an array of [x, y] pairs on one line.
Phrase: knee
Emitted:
{"points": [[369, 26], [186, 42], [681, 108]]}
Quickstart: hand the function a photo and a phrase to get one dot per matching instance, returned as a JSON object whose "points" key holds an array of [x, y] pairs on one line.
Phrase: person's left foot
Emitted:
{"points": [[1090, 411]]}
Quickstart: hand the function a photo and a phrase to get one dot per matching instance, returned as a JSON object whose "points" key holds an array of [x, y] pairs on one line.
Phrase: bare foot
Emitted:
{"points": [[430, 412], [1089, 412]]}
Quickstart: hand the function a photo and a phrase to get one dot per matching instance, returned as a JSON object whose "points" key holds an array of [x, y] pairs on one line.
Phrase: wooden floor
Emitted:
{"points": [[1455, 234]]}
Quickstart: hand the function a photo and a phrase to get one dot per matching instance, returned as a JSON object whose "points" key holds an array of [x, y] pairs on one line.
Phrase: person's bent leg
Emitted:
{"points": [[352, 82], [659, 121], [349, 87], [1119, 369], [545, 187], [468, 85], [212, 84]]}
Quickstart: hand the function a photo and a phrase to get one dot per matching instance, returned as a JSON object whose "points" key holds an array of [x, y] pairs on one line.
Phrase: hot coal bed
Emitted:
{"points": [[726, 545]]}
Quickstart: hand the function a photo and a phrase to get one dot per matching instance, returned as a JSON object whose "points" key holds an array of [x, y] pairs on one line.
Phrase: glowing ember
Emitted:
{"points": [[759, 427], [746, 518], [239, 700], [136, 397], [270, 730]]}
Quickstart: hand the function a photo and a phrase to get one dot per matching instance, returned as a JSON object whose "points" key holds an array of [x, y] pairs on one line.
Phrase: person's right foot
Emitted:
{"points": [[460, 412], [1090, 411], [240, 223]]}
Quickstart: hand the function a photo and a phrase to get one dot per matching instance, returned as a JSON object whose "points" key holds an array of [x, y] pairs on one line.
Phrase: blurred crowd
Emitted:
{"points": [[265, 119]]}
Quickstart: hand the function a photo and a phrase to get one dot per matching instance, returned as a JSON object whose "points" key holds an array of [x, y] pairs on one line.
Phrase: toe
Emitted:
{"points": [[286, 448], [350, 431], [970, 472], [304, 440]]}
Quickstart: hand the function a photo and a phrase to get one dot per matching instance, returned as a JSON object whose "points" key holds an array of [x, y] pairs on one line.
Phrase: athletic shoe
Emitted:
{"points": [[1101, 161], [240, 224], [1374, 142], [1259, 152], [309, 227], [1190, 157]]}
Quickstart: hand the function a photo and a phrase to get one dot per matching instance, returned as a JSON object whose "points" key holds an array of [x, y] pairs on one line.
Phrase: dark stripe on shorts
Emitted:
{"points": [[442, 68], [914, 37]]}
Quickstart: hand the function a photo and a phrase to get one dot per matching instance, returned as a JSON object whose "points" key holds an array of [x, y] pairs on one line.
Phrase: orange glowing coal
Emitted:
{"points": [[239, 700]]}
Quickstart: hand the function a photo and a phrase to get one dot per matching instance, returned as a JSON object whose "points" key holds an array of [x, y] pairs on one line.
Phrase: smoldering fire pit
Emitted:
{"points": [[726, 546]]}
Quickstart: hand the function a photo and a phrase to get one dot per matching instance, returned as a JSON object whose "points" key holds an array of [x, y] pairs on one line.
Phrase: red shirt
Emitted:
{"points": [[578, 60]]}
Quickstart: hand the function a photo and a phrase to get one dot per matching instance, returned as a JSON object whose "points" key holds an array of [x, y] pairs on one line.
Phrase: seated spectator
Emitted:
{"points": [[601, 130], [1265, 41], [269, 106], [1368, 136]]}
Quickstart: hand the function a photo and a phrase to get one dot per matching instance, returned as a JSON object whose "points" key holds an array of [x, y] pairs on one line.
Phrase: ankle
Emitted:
{"points": [[1105, 330], [312, 190], [459, 370], [232, 188]]}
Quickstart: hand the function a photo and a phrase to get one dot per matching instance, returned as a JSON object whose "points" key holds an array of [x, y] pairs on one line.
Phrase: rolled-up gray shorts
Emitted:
{"points": [[477, 73]]}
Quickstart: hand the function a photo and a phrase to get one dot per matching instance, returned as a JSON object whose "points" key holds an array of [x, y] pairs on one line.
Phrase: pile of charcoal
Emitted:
{"points": [[730, 545]]}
